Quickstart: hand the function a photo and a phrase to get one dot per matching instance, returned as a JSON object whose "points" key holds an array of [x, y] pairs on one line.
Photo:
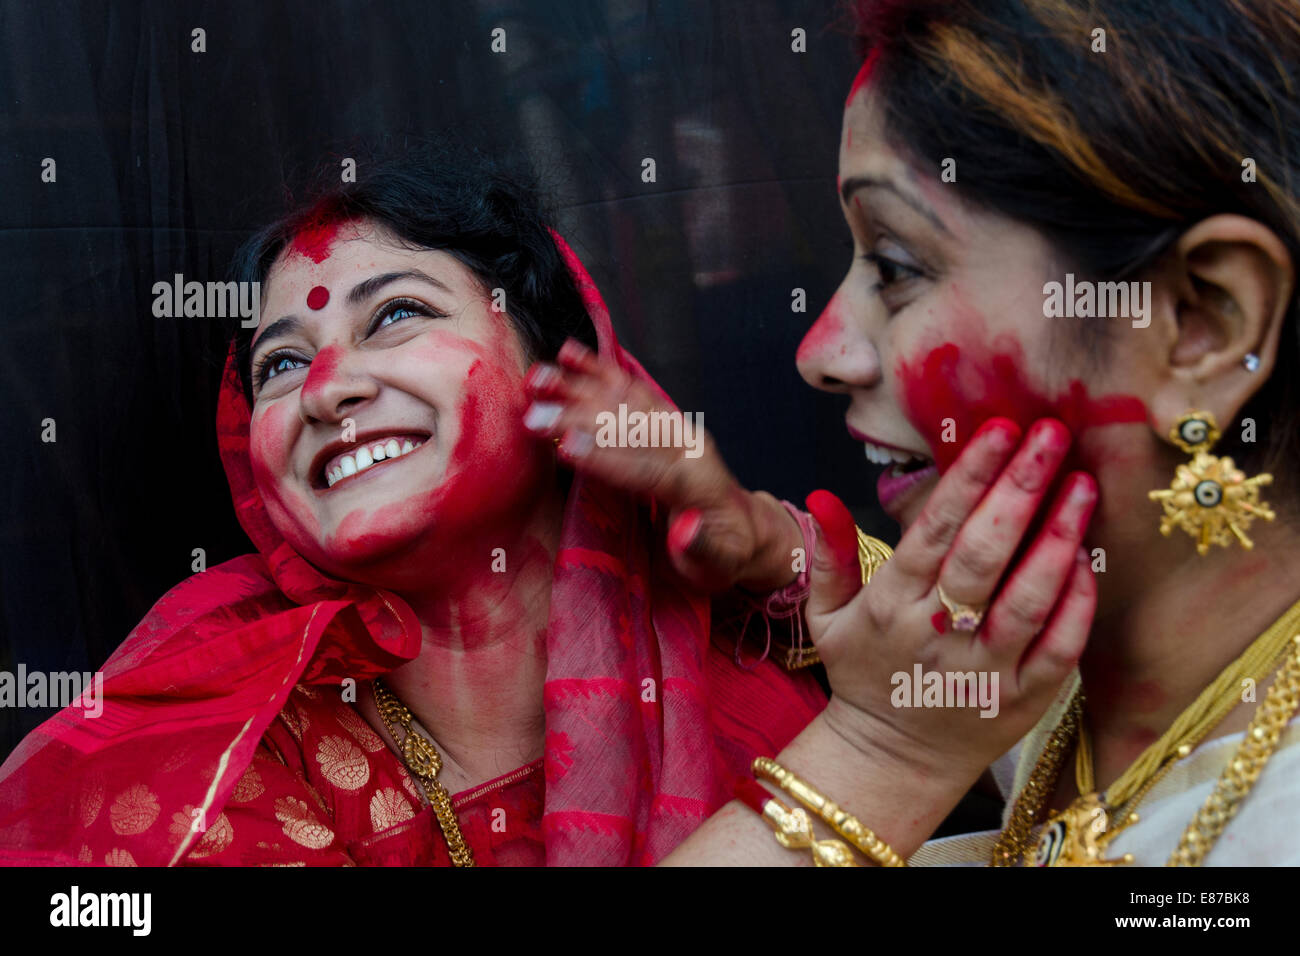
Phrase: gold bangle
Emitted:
{"points": [[793, 829], [840, 820]]}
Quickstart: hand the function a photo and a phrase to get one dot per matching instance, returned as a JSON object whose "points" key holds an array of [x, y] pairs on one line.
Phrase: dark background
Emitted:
{"points": [[168, 158]]}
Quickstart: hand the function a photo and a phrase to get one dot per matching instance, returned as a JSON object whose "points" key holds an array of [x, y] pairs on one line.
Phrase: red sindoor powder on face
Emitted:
{"points": [[970, 387], [321, 370], [315, 239], [864, 75]]}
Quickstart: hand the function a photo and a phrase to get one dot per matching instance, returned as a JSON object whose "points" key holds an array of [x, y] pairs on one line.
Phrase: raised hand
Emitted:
{"points": [[978, 539], [720, 534]]}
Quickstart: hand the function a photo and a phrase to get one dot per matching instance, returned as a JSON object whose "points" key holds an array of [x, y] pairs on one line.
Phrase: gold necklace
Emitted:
{"points": [[425, 763], [1077, 836]]}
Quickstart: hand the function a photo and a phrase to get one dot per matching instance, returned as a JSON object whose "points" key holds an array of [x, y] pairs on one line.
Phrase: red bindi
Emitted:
{"points": [[318, 298]]}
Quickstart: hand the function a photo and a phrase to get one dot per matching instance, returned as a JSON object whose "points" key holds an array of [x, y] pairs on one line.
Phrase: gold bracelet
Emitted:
{"points": [[840, 820], [793, 829]]}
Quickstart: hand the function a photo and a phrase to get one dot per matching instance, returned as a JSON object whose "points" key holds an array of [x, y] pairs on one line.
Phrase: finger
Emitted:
{"points": [[834, 571], [700, 554], [547, 381], [543, 418], [1026, 600], [684, 531], [576, 357], [992, 534], [1056, 652], [920, 553]]}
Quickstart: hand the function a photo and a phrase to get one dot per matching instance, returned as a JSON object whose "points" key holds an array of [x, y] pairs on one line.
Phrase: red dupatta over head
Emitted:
{"points": [[190, 692]]}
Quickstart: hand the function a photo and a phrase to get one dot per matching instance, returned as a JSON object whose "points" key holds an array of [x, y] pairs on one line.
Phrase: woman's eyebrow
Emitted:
{"points": [[854, 183], [277, 329], [365, 289]]}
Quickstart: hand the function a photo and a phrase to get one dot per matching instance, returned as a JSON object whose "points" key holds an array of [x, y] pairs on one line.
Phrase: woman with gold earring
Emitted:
{"points": [[1146, 156]]}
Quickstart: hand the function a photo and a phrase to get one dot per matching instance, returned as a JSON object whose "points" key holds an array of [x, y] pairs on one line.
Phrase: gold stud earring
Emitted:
{"points": [[1210, 498]]}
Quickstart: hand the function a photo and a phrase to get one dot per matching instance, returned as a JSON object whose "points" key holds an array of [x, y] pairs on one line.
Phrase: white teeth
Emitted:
{"points": [[876, 454], [880, 455], [366, 456]]}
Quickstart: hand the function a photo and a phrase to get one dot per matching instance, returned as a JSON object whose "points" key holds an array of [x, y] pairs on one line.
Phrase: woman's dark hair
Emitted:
{"points": [[484, 212], [1112, 143]]}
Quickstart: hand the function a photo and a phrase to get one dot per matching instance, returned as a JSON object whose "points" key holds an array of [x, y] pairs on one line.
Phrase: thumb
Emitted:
{"points": [[835, 573]]}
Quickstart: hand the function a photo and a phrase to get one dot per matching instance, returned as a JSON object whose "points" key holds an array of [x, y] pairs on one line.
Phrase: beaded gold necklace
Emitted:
{"points": [[1078, 835]]}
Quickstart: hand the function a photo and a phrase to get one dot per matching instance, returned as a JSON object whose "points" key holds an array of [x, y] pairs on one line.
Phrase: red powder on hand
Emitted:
{"points": [[839, 532], [683, 531]]}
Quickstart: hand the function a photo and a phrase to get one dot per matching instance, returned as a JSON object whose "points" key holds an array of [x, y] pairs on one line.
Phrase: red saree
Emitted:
{"points": [[224, 737]]}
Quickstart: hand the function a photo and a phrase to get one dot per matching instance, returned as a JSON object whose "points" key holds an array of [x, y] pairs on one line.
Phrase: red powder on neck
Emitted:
{"points": [[970, 388]]}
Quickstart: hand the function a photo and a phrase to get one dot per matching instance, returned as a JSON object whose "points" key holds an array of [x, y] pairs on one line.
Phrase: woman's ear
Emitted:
{"points": [[1227, 288]]}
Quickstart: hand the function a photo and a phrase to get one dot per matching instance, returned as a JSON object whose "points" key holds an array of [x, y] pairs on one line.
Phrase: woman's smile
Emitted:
{"points": [[343, 467]]}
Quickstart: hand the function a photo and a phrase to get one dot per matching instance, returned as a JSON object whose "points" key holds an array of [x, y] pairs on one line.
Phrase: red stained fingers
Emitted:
{"points": [[1025, 602], [921, 552], [1051, 657], [990, 537], [837, 576]]}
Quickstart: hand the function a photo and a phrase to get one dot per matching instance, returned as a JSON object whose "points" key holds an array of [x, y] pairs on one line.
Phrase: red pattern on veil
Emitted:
{"points": [[195, 686]]}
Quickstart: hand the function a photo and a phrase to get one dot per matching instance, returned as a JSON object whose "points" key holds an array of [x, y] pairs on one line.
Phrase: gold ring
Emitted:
{"points": [[963, 617]]}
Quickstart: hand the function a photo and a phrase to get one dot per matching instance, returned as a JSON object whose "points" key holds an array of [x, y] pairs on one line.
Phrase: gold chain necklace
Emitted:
{"points": [[1078, 835], [425, 763]]}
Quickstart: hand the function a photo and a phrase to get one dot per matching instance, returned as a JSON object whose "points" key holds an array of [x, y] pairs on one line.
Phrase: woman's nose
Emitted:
{"points": [[836, 355], [333, 386]]}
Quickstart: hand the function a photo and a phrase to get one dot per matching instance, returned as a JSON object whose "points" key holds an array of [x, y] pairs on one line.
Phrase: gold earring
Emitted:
{"points": [[1210, 498]]}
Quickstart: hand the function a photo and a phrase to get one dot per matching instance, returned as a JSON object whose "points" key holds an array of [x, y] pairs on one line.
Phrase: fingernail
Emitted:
{"points": [[574, 349], [1050, 433], [577, 444], [1082, 489], [542, 415], [684, 530], [544, 375], [1001, 433]]}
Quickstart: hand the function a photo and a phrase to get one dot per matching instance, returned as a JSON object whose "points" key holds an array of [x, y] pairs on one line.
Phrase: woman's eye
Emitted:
{"points": [[274, 364], [399, 309], [891, 271], [395, 315]]}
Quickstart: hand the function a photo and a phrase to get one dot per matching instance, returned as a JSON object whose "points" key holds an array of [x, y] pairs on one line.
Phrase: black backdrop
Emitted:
{"points": [[166, 158]]}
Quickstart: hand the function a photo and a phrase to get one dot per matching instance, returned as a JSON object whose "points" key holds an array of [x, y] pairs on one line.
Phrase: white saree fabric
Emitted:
{"points": [[1265, 831]]}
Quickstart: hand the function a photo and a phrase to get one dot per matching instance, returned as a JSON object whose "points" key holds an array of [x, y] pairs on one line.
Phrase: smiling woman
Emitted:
{"points": [[554, 689]]}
